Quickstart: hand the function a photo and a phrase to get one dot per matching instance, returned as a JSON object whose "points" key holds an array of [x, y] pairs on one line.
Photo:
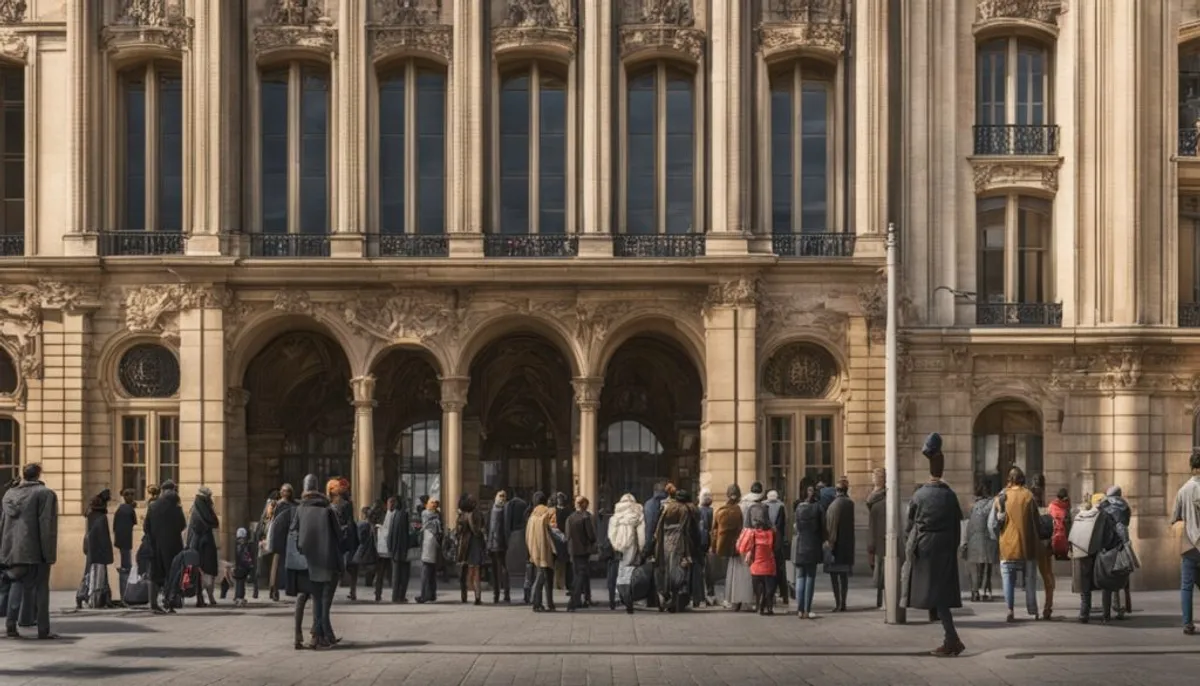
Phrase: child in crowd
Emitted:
{"points": [[243, 566], [757, 547]]}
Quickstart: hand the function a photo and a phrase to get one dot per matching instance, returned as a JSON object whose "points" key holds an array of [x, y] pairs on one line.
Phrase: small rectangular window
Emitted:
{"points": [[12, 137], [133, 454], [780, 453], [10, 449], [818, 448], [168, 448]]}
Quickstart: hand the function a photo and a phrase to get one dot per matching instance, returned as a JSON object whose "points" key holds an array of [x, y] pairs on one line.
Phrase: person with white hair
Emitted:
{"points": [[626, 535]]}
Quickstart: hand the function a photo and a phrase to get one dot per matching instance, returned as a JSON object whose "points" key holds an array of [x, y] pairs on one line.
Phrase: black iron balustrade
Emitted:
{"points": [[289, 245], [658, 245], [1016, 139], [1018, 314], [1189, 141], [12, 246], [413, 245], [141, 243], [1189, 315], [531, 245], [839, 244]]}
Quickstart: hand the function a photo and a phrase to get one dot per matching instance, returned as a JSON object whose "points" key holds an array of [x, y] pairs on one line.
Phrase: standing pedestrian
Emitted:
{"points": [[981, 550], [807, 550], [540, 545], [262, 560], [124, 520], [432, 534], [1092, 532], [396, 523], [277, 537], [626, 535], [163, 532], [777, 515], [98, 555], [367, 554], [705, 583], [202, 537], [243, 565], [1016, 517], [499, 528], [877, 531], [472, 548], [337, 490], [1118, 508], [316, 564], [839, 532], [729, 521], [29, 548], [651, 511], [756, 544], [931, 559], [1187, 512], [581, 543]]}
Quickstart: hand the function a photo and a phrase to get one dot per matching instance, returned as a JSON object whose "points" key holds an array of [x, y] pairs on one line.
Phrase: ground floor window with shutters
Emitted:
{"points": [[148, 450], [10, 449], [803, 447]]}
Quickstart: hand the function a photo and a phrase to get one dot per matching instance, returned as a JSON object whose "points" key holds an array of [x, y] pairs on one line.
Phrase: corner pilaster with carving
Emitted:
{"points": [[12, 43]]}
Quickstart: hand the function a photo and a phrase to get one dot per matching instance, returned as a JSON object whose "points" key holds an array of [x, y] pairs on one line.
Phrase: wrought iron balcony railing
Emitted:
{"points": [[1018, 314], [1189, 315], [839, 244], [289, 245], [12, 246], [658, 245], [1016, 139], [144, 243], [547, 245], [412, 245], [1189, 142]]}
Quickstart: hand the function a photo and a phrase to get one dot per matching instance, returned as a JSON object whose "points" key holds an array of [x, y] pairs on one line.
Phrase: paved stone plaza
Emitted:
{"points": [[450, 643]]}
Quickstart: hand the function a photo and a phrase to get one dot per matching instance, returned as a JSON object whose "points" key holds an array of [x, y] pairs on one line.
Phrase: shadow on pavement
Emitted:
{"points": [[370, 645], [102, 626], [71, 670], [1128, 652], [172, 652]]}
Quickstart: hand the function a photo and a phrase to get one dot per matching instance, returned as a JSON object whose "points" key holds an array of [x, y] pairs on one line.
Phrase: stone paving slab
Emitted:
{"points": [[450, 643]]}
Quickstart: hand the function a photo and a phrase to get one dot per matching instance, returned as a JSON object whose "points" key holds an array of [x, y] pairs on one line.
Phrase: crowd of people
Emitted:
{"points": [[669, 552]]}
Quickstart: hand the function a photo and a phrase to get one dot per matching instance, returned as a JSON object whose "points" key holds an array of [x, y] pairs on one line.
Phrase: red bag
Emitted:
{"points": [[1059, 543]]}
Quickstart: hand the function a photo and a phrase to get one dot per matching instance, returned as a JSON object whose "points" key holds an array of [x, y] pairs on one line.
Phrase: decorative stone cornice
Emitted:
{"points": [[295, 24], [587, 391], [13, 45], [1038, 14], [1035, 172], [661, 26], [410, 26], [21, 310], [12, 11], [800, 25], [148, 24], [547, 24]]}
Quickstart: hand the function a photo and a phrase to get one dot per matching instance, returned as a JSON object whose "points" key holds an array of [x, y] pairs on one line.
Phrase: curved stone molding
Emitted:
{"points": [[410, 26], [663, 26], [542, 24], [156, 25], [790, 26], [292, 25], [1026, 172], [996, 16], [12, 11]]}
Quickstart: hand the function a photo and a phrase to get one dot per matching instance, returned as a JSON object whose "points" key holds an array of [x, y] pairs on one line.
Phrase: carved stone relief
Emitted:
{"points": [[872, 302], [800, 370], [782, 314], [12, 11], [1044, 11], [1041, 174], [791, 24], [402, 315], [548, 23], [155, 309], [21, 322], [295, 24], [410, 25], [161, 23], [660, 25], [736, 293]]}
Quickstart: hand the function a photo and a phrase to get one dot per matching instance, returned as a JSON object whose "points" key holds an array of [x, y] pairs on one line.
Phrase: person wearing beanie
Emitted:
{"points": [[243, 565], [202, 537], [777, 516], [934, 536], [705, 558]]}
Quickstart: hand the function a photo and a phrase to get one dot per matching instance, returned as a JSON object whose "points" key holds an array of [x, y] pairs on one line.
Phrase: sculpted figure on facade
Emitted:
{"points": [[789, 24], [401, 25], [659, 24], [295, 23], [144, 12], [1044, 11], [162, 23], [548, 23], [12, 11], [1124, 369], [294, 302], [21, 310], [294, 12], [155, 309], [793, 313], [401, 315]]}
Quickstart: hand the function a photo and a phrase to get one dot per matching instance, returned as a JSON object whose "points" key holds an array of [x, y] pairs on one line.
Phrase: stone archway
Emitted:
{"points": [[299, 417], [407, 425], [1008, 433], [652, 393], [517, 425]]}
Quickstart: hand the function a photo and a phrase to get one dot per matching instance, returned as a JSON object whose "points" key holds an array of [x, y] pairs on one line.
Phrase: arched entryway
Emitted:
{"points": [[408, 427], [649, 420], [1008, 433], [517, 425], [299, 418]]}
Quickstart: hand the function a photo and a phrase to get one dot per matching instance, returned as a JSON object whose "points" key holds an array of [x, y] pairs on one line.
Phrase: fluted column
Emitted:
{"points": [[364, 488], [215, 169], [587, 398], [596, 133], [728, 135], [81, 38], [347, 240], [454, 399], [467, 86], [870, 36]]}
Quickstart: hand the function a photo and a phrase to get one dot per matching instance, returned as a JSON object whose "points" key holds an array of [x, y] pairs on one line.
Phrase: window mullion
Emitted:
{"points": [[410, 148], [1010, 248], [1010, 82], [152, 455], [535, 128], [660, 144], [151, 164], [293, 135]]}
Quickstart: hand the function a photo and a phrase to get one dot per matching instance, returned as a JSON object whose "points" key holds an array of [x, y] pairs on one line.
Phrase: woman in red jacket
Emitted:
{"points": [[757, 547]]}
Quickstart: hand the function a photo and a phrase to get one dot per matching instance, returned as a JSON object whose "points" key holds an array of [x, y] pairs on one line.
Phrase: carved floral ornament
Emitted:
{"points": [[800, 370], [410, 26], [789, 25], [149, 23], [543, 23], [660, 25], [1040, 174], [290, 24], [1041, 11], [155, 309]]}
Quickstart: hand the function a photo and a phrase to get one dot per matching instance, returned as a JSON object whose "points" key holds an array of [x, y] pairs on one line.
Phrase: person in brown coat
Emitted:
{"points": [[541, 551], [727, 526], [1016, 519]]}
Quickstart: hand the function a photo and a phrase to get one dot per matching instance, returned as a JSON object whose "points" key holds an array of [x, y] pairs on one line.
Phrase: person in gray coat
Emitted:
{"points": [[930, 576], [29, 547], [980, 549], [839, 542], [316, 536]]}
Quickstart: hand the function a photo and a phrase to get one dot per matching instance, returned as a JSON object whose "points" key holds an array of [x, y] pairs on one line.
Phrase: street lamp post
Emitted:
{"points": [[895, 614]]}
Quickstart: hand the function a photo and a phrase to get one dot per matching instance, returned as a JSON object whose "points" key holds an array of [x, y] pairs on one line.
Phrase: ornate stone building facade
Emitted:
{"points": [[449, 247]]}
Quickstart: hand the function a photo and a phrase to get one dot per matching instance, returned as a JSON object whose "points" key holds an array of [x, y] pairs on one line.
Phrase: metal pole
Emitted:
{"points": [[895, 614]]}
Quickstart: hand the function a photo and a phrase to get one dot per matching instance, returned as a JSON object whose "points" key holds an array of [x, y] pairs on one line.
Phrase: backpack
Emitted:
{"points": [[1045, 527], [1058, 538], [189, 582]]}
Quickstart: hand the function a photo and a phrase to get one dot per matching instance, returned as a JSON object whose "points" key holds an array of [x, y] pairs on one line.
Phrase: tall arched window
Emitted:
{"points": [[151, 148], [1013, 270], [294, 141], [1013, 96], [420, 453], [412, 150], [533, 151], [801, 150], [660, 151], [10, 449], [630, 461], [12, 160]]}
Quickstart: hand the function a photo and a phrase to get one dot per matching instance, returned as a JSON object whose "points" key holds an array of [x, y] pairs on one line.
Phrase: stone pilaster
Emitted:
{"points": [[202, 394], [596, 128], [727, 131], [454, 399], [82, 31], [871, 46], [244, 499], [729, 440], [587, 399], [467, 84], [349, 164], [364, 487]]}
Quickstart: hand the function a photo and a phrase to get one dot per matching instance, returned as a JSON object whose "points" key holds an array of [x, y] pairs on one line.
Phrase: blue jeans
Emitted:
{"points": [[1008, 571], [1189, 576], [806, 584]]}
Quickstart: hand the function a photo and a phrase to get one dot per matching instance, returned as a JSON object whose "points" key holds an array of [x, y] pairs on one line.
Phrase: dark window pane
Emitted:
{"points": [[781, 203], [391, 155], [431, 205], [314, 152], [553, 196], [514, 204], [135, 154], [14, 129], [170, 153], [680, 116], [14, 180], [431, 152], [274, 128], [679, 204]]}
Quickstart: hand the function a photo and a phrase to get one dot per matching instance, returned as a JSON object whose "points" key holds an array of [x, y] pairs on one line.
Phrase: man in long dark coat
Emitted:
{"points": [[123, 523], [277, 534], [397, 525], [163, 528], [934, 534], [202, 537], [319, 540], [29, 541]]}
